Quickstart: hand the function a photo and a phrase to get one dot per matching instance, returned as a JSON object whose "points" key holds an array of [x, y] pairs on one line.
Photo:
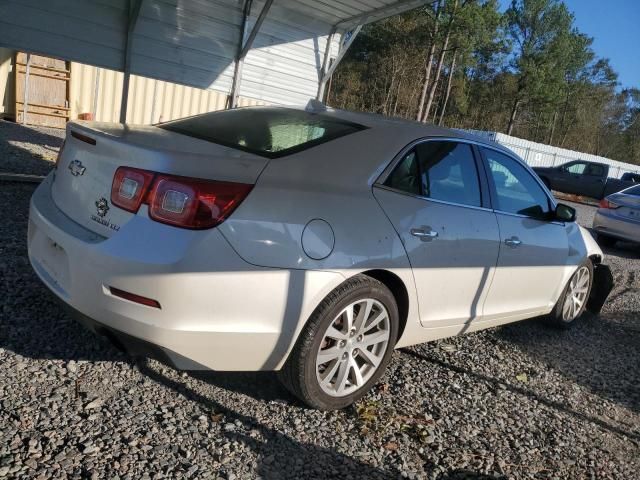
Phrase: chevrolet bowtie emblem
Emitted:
{"points": [[76, 168]]}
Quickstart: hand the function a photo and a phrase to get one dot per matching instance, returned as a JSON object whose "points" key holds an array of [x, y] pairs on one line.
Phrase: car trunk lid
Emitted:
{"points": [[628, 205], [93, 152]]}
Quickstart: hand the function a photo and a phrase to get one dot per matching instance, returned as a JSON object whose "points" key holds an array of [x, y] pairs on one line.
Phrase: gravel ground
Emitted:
{"points": [[28, 150], [521, 401]]}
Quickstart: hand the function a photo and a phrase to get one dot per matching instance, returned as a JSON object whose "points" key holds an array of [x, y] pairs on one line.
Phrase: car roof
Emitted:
{"points": [[401, 129]]}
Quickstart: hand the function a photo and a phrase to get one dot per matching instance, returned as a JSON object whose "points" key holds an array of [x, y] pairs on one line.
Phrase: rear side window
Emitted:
{"points": [[448, 172], [595, 170], [270, 132], [443, 171], [406, 176]]}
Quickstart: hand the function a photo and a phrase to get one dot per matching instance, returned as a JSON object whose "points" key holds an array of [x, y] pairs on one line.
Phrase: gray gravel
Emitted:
{"points": [[521, 401], [28, 150]]}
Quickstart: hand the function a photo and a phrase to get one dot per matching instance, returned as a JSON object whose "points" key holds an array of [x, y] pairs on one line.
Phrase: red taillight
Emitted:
{"points": [[180, 201], [59, 154], [129, 187], [604, 203]]}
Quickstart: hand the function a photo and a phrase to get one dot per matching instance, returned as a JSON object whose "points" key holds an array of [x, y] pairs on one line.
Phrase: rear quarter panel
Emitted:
{"points": [[332, 182]]}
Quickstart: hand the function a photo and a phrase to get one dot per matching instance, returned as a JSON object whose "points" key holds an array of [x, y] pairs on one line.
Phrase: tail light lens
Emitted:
{"points": [[604, 203], [129, 187], [180, 201]]}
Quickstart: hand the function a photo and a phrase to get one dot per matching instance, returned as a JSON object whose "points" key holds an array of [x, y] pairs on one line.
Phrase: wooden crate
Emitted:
{"points": [[42, 89]]}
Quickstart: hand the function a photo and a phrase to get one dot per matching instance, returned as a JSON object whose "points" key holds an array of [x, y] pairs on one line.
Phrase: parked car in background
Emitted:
{"points": [[618, 217], [631, 177], [309, 241], [589, 179]]}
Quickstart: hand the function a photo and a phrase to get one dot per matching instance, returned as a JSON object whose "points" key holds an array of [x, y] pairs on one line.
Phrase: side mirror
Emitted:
{"points": [[565, 213]]}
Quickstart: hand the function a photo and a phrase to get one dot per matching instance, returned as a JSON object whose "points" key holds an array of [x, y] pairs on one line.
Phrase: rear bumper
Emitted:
{"points": [[134, 346], [608, 223], [217, 311]]}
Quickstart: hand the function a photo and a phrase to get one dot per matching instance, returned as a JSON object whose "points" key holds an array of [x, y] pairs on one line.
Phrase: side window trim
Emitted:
{"points": [[485, 196], [494, 194]]}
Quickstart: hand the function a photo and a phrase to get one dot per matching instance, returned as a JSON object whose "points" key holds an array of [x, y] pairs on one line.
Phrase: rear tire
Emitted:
{"points": [[606, 241], [345, 346], [573, 301]]}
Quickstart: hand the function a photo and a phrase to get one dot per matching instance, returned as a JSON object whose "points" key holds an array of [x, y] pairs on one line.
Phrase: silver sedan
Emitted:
{"points": [[618, 217]]}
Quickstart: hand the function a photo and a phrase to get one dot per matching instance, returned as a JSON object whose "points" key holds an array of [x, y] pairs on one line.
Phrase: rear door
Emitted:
{"points": [[439, 208], [533, 249], [594, 179]]}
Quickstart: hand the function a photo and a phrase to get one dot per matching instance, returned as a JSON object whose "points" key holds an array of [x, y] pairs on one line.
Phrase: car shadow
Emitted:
{"points": [[497, 383], [313, 457], [611, 373]]}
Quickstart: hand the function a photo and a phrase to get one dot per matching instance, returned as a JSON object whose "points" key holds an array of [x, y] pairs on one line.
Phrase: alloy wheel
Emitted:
{"points": [[353, 347], [576, 294]]}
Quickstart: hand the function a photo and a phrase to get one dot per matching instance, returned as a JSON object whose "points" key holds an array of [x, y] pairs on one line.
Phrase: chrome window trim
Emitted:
{"points": [[434, 200], [394, 162], [519, 215]]}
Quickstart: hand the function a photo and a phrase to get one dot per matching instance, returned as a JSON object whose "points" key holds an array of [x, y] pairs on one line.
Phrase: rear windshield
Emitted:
{"points": [[632, 191], [270, 132]]}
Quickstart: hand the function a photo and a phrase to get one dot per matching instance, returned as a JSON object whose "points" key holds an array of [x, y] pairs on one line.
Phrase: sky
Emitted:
{"points": [[615, 28]]}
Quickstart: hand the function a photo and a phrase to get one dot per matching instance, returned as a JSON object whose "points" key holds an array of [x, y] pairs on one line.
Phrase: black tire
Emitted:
{"points": [[555, 317], [606, 241], [299, 372]]}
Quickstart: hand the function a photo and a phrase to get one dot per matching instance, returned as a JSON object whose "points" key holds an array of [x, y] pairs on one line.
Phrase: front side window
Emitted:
{"points": [[577, 168], [268, 131], [516, 189]]}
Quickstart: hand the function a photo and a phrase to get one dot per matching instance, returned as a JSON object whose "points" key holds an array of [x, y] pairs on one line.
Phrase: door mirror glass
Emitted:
{"points": [[565, 213]]}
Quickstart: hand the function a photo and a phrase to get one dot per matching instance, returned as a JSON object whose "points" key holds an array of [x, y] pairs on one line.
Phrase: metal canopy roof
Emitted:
{"points": [[278, 51]]}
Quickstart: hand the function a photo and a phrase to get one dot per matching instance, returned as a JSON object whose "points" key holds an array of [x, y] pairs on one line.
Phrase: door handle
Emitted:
{"points": [[513, 242], [426, 234]]}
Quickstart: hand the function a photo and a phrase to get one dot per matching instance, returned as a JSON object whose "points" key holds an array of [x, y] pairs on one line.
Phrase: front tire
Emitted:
{"points": [[606, 241], [573, 301], [345, 346]]}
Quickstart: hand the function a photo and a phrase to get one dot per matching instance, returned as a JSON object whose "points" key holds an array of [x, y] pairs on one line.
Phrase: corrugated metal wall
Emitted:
{"points": [[150, 101], [189, 42], [283, 66], [541, 155], [74, 30]]}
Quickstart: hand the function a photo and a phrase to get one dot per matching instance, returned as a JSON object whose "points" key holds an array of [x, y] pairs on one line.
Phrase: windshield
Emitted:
{"points": [[270, 131]]}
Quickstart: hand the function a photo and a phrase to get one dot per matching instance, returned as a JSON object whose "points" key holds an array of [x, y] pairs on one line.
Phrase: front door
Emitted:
{"points": [[533, 249], [434, 200]]}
